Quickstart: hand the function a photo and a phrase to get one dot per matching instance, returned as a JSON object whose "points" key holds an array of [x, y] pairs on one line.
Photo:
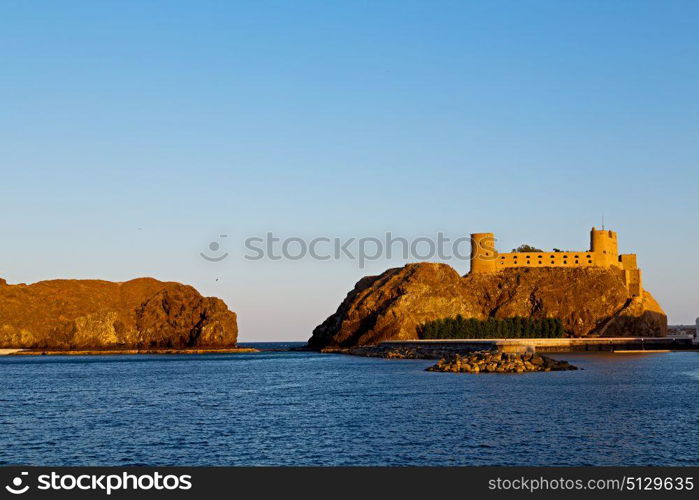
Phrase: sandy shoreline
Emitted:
{"points": [[103, 352], [4, 352]]}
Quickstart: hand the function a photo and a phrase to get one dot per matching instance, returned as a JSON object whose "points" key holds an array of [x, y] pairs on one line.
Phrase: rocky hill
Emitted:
{"points": [[141, 313], [589, 301]]}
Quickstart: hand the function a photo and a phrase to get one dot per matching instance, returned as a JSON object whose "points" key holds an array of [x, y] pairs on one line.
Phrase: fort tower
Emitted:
{"points": [[604, 244], [483, 253]]}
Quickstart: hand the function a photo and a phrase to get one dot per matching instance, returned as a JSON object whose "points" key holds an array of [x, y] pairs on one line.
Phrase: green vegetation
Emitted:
{"points": [[491, 328], [524, 248]]}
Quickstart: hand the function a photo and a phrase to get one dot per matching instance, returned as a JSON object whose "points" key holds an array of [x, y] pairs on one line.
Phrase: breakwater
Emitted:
{"points": [[549, 345]]}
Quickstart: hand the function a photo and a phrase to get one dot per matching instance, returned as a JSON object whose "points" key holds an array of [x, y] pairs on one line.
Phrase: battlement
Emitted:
{"points": [[603, 252]]}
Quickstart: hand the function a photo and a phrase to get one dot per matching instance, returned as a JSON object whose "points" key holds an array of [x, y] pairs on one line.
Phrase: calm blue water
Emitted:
{"points": [[297, 408]]}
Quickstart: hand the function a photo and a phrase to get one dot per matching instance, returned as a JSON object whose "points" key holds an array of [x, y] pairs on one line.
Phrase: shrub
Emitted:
{"points": [[524, 248]]}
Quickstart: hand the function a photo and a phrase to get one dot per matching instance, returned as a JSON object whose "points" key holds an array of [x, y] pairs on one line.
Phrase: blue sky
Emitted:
{"points": [[133, 133]]}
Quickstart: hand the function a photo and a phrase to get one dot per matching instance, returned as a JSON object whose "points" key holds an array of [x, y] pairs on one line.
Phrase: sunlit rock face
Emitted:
{"points": [[141, 313], [591, 302]]}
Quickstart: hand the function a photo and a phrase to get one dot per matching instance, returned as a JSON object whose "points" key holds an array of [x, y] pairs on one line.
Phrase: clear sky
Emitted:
{"points": [[133, 133]]}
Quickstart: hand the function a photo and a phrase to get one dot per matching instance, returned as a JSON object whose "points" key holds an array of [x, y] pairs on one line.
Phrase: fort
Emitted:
{"points": [[603, 253]]}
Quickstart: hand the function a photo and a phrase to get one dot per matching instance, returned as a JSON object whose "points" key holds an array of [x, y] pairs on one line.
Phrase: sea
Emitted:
{"points": [[294, 408]]}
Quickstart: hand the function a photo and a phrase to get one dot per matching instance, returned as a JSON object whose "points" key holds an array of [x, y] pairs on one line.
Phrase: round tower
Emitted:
{"points": [[483, 253], [604, 243]]}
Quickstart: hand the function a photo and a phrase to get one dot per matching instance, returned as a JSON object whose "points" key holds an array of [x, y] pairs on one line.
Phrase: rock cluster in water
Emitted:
{"points": [[496, 362]]}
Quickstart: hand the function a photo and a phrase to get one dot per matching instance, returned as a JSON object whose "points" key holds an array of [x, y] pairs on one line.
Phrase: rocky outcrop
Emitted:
{"points": [[94, 314], [496, 362], [590, 302]]}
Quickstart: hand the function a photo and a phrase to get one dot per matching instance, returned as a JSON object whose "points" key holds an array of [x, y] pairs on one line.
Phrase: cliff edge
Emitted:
{"points": [[591, 302], [141, 313]]}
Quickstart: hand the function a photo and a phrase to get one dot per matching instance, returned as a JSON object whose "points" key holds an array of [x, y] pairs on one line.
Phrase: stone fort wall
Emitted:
{"points": [[603, 253]]}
